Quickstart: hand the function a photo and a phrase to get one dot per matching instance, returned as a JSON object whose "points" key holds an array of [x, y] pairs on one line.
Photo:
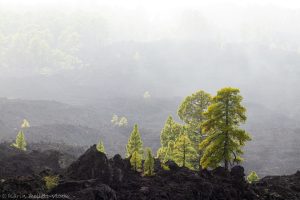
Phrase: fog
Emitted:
{"points": [[61, 50], [105, 55]]}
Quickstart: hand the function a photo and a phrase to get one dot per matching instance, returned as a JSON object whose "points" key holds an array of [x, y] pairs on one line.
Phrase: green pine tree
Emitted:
{"points": [[20, 142], [169, 152], [100, 147], [170, 132], [191, 111], [224, 137], [149, 163], [184, 153], [135, 143], [252, 177], [136, 161]]}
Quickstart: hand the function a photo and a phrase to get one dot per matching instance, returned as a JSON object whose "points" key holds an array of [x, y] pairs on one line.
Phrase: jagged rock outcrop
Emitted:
{"points": [[278, 187], [92, 164], [93, 176], [21, 186], [85, 190], [14, 162], [176, 183]]}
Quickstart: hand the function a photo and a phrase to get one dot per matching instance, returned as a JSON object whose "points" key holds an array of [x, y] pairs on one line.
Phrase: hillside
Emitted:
{"points": [[275, 136]]}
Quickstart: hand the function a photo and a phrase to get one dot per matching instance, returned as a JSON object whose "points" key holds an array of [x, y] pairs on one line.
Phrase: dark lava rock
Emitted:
{"points": [[22, 186], [157, 165], [172, 165], [14, 162], [92, 164], [84, 190], [94, 177], [220, 171], [237, 172], [278, 187]]}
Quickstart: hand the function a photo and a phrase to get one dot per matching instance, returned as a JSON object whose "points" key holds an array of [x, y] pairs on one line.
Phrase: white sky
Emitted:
{"points": [[151, 4]]}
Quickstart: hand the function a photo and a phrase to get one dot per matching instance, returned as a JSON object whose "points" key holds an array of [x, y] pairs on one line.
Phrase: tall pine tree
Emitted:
{"points": [[191, 111], [224, 137], [170, 132], [169, 152], [136, 161], [149, 163], [184, 153], [135, 143]]}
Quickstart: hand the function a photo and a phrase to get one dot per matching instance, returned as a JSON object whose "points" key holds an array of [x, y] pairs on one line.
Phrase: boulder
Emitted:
{"points": [[91, 165]]}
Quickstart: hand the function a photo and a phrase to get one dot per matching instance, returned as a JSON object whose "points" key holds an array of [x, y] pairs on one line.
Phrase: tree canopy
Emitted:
{"points": [[100, 147], [191, 111], [20, 142], [169, 133], [184, 153], [136, 161], [149, 163], [135, 143], [224, 139]]}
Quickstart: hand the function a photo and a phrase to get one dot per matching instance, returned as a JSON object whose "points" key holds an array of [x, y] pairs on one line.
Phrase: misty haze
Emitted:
{"points": [[150, 99]]}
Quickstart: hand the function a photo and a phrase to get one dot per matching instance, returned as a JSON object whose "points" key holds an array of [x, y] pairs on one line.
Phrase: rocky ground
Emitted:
{"points": [[93, 176]]}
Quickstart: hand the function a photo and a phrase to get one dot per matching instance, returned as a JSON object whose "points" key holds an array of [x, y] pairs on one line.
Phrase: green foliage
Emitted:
{"points": [[224, 137], [170, 132], [136, 161], [165, 167], [160, 154], [169, 152], [191, 111], [252, 177], [51, 181], [184, 153], [20, 142], [135, 143], [149, 163], [100, 147]]}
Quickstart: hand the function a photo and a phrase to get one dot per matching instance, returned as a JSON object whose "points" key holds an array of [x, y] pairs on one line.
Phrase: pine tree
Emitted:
{"points": [[25, 124], [100, 147], [136, 161], [115, 119], [20, 141], [123, 122], [224, 137], [184, 153], [169, 152], [170, 132], [135, 143], [252, 177], [149, 163], [191, 111]]}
